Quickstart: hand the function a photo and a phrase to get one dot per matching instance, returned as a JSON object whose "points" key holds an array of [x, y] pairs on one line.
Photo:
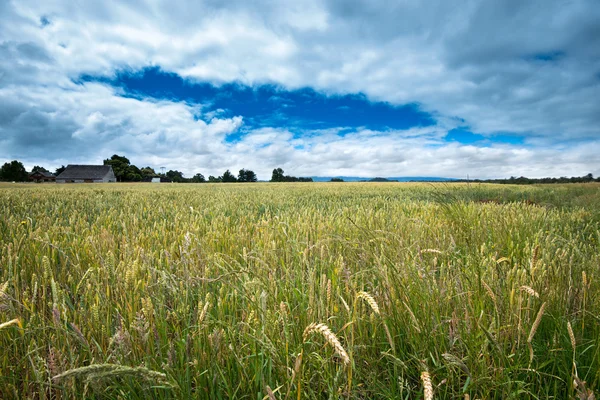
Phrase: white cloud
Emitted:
{"points": [[474, 61]]}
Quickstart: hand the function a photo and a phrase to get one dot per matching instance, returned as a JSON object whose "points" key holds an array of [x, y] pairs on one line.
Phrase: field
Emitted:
{"points": [[289, 291]]}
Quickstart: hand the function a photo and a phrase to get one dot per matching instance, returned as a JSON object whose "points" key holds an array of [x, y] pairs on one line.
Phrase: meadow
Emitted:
{"points": [[299, 291]]}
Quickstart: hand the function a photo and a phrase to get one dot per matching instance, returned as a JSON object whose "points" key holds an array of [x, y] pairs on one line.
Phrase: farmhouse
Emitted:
{"points": [[42, 176], [87, 174]]}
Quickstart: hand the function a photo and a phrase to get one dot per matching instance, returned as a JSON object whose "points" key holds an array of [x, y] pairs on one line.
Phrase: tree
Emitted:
{"points": [[228, 177], [336, 180], [277, 175], [198, 178], [125, 171], [59, 170], [246, 175], [37, 168], [133, 174], [212, 179], [120, 165], [175, 176], [148, 172], [13, 171]]}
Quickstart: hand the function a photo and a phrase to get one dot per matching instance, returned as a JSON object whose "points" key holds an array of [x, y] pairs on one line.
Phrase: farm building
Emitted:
{"points": [[156, 179], [42, 176], [87, 174]]}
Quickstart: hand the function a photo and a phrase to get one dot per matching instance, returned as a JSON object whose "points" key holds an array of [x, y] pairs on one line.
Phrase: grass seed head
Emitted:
{"points": [[489, 291], [370, 300], [571, 336], [330, 337], [427, 386], [536, 323], [529, 290]]}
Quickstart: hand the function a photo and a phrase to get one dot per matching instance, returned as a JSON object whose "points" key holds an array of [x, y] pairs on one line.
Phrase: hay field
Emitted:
{"points": [[288, 291]]}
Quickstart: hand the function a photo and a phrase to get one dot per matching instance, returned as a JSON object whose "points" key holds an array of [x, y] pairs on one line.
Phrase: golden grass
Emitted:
{"points": [[210, 291]]}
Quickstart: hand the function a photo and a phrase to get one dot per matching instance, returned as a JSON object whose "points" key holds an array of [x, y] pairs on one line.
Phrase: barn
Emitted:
{"points": [[42, 176], [87, 174]]}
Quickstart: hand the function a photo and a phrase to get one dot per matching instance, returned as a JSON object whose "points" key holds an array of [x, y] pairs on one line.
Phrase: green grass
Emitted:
{"points": [[205, 291]]}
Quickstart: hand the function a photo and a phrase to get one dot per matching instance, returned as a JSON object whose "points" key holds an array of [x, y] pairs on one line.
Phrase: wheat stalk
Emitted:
{"points": [[434, 251], [15, 321], [370, 300], [283, 309], [529, 290], [4, 299], [427, 386], [536, 323], [203, 313], [534, 257], [389, 337], [330, 337], [489, 291], [345, 304], [104, 371], [413, 317], [571, 336]]}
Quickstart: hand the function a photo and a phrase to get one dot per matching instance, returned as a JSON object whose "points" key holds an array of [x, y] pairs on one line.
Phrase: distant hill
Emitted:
{"points": [[386, 179]]}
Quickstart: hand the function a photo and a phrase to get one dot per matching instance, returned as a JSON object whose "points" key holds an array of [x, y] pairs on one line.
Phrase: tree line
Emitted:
{"points": [[513, 180], [127, 172]]}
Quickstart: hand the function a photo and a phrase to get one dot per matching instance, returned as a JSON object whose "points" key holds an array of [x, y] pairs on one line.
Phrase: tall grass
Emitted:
{"points": [[299, 291]]}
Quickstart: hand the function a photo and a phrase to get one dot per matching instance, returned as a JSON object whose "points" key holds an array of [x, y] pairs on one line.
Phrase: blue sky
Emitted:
{"points": [[270, 105], [331, 88]]}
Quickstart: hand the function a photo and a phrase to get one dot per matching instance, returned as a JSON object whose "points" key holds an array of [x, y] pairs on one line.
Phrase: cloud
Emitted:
{"points": [[496, 67]]}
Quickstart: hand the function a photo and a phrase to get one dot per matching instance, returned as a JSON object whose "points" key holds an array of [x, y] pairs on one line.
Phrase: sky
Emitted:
{"points": [[484, 89]]}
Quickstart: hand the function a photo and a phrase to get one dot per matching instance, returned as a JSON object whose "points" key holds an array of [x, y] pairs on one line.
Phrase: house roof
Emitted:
{"points": [[43, 173], [85, 172]]}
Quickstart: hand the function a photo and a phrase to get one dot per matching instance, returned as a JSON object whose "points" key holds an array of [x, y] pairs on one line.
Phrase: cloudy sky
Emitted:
{"points": [[318, 87]]}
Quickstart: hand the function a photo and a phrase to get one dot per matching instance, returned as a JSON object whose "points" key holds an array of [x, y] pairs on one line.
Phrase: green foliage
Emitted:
{"points": [[246, 175], [37, 168], [120, 166], [278, 176], [529, 181], [198, 178], [205, 291], [175, 176], [148, 173], [227, 177], [13, 171], [59, 170]]}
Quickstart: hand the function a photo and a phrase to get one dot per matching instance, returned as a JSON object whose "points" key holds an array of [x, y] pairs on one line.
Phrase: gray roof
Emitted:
{"points": [[44, 173], [85, 172]]}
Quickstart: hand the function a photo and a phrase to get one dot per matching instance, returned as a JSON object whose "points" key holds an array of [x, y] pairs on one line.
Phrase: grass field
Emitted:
{"points": [[287, 291]]}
